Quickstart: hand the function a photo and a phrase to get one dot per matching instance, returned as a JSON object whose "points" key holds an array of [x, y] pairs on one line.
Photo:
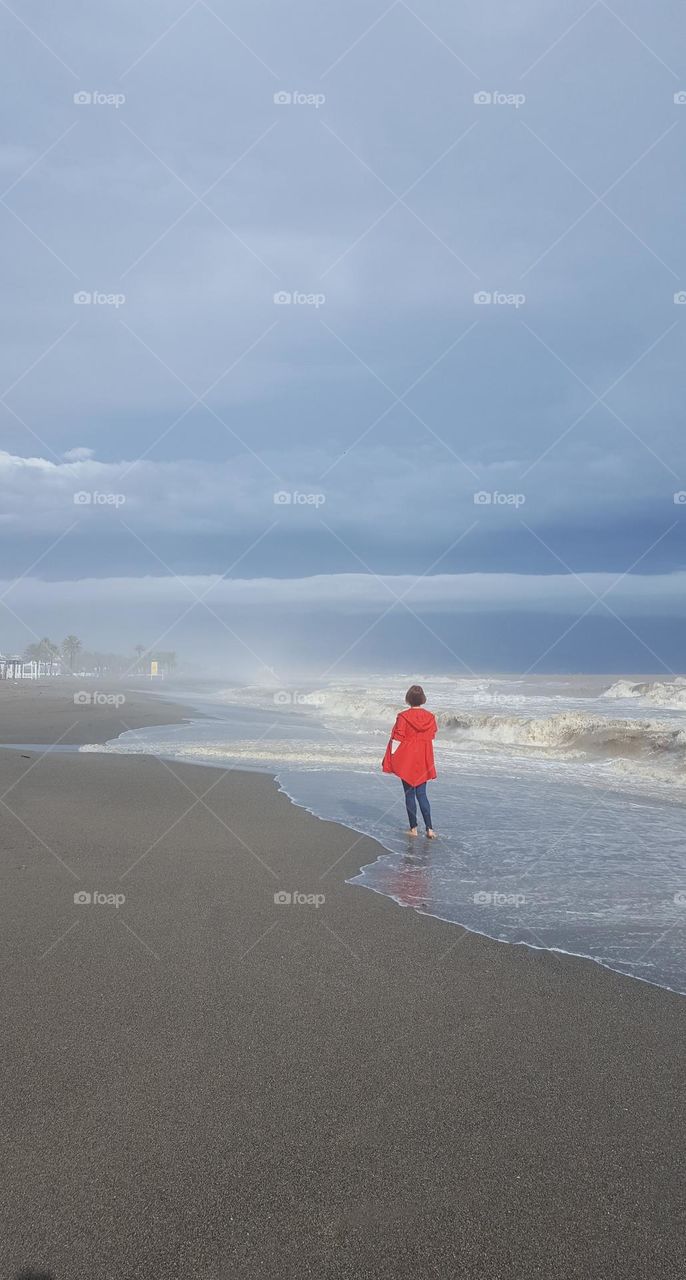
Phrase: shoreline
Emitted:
{"points": [[532, 946], [202, 1081], [185, 712]]}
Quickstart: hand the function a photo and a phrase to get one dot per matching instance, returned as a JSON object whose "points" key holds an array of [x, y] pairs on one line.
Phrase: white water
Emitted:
{"points": [[560, 802]]}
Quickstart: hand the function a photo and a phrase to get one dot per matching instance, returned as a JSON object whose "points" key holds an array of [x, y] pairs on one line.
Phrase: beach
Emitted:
{"points": [[202, 1081]]}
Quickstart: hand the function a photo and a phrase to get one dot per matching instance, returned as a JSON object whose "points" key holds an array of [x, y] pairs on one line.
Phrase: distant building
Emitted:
{"points": [[11, 667], [14, 667]]}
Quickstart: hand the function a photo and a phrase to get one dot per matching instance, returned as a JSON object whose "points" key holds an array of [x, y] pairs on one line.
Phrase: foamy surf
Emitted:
{"points": [[670, 694], [248, 753], [653, 743], [498, 715]]}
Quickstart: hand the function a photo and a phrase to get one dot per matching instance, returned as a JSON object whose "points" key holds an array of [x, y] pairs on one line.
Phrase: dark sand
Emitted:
{"points": [[46, 711], [201, 1083]]}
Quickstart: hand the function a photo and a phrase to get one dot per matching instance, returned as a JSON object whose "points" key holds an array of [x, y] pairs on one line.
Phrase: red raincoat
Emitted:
{"points": [[413, 760]]}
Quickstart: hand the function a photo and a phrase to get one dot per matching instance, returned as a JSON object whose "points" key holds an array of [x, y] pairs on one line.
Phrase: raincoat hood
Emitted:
{"points": [[420, 720]]}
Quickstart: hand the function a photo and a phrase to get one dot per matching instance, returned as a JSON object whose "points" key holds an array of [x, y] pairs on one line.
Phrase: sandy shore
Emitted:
{"points": [[202, 1083], [50, 711]]}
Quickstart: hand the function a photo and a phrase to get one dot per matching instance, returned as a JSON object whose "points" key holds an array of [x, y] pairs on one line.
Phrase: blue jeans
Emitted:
{"points": [[412, 795]]}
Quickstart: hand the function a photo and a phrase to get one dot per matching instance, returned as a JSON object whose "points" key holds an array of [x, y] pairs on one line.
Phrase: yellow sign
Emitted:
{"points": [[153, 668]]}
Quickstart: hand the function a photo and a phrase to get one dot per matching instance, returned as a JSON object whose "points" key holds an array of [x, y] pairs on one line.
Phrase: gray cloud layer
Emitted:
{"points": [[183, 209]]}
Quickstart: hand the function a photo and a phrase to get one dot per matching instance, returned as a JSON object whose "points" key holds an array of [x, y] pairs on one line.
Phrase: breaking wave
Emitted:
{"points": [[670, 694], [577, 732], [480, 715], [574, 731]]}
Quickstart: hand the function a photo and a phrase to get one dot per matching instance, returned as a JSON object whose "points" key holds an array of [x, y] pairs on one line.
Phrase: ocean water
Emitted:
{"points": [[560, 802]]}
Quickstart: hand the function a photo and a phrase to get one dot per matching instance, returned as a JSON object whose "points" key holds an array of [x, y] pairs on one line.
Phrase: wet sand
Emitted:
{"points": [[203, 1082]]}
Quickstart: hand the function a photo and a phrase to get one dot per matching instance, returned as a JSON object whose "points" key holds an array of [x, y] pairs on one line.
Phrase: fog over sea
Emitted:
{"points": [[560, 802]]}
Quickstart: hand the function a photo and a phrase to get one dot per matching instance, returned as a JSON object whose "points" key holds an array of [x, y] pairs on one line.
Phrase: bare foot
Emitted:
{"points": [[431, 835], [412, 831]]}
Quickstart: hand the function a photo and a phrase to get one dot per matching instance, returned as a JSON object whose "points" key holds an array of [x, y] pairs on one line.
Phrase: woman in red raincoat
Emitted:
{"points": [[410, 756]]}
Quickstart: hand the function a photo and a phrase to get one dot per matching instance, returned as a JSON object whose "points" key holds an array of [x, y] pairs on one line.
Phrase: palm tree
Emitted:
{"points": [[45, 651], [71, 647]]}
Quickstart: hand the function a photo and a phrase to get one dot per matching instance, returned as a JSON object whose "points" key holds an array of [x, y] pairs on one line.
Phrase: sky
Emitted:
{"points": [[345, 336]]}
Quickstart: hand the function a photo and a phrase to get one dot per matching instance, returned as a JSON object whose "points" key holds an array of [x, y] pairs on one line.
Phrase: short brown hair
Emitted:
{"points": [[415, 695]]}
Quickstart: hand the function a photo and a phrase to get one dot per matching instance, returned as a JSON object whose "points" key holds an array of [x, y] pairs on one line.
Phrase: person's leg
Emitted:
{"points": [[424, 805], [410, 805]]}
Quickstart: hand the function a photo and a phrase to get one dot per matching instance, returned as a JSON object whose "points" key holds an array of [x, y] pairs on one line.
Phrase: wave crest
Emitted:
{"points": [[573, 731], [670, 694]]}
